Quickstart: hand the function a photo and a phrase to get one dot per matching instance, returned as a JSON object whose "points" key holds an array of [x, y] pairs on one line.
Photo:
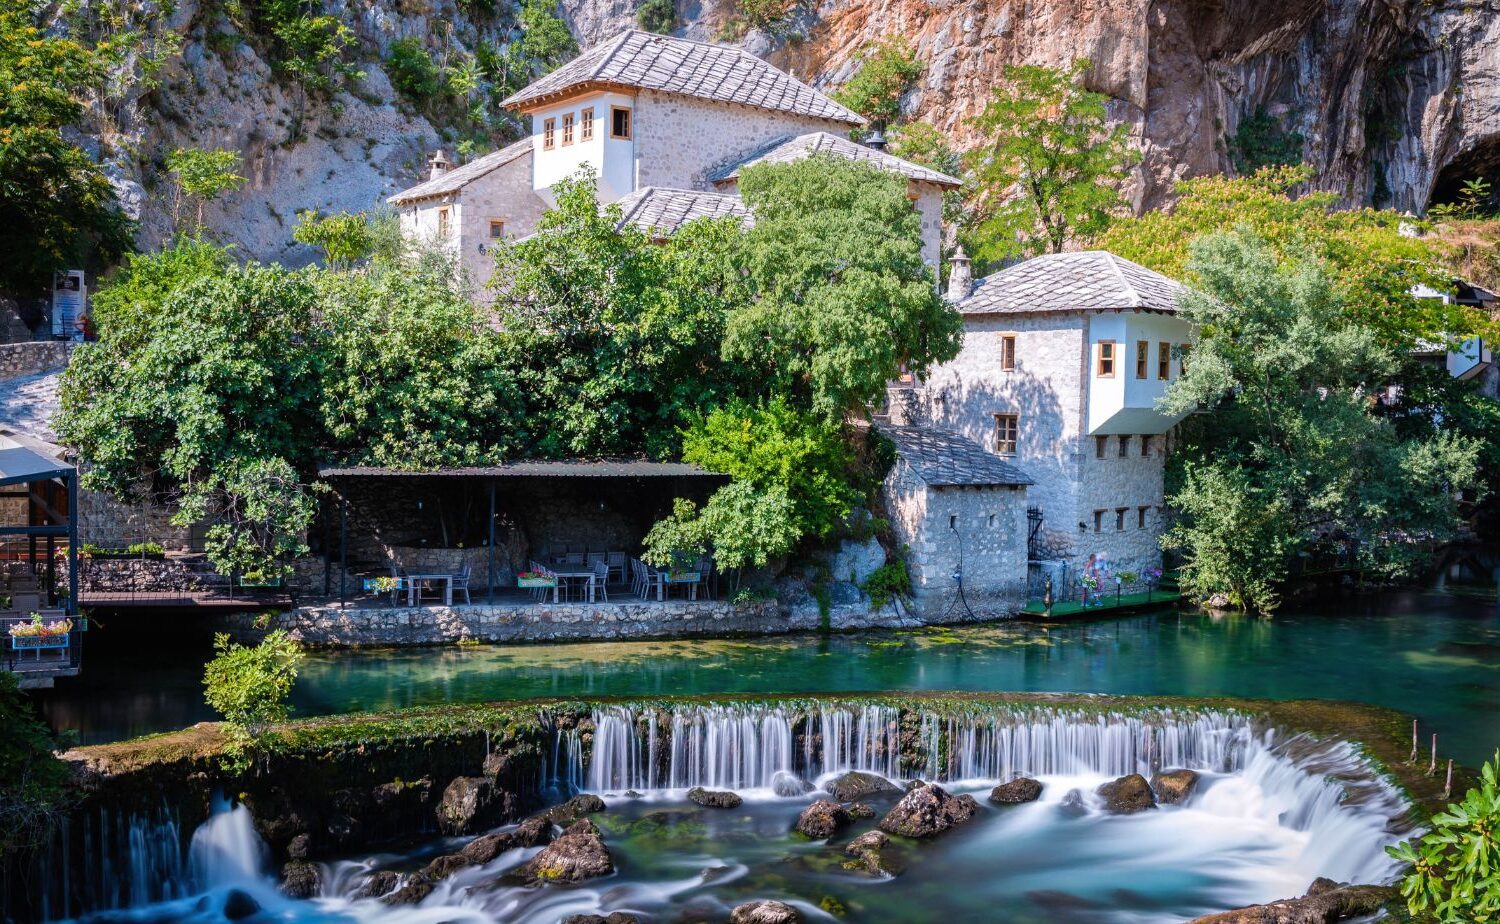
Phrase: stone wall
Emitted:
{"points": [[110, 523], [544, 622], [504, 194], [33, 357], [680, 140]]}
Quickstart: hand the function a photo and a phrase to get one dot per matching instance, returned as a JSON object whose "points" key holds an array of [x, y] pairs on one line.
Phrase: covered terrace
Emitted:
{"points": [[515, 533], [38, 534]]}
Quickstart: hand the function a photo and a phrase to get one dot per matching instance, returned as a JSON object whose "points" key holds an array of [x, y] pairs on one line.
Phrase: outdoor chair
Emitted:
{"points": [[616, 562], [572, 558], [398, 574], [26, 603], [601, 580], [651, 580], [461, 582], [594, 557]]}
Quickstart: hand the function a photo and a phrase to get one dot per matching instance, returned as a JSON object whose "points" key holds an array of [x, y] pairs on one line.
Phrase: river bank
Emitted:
{"points": [[334, 788]]}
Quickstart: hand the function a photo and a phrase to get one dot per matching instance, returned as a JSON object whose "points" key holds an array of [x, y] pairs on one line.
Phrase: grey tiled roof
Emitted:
{"points": [[1092, 280], [788, 148], [662, 211], [459, 177], [540, 468], [942, 458], [673, 65]]}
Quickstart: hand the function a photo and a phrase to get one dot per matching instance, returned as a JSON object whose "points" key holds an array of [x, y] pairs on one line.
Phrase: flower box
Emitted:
{"points": [[38, 642], [684, 577], [536, 581]]}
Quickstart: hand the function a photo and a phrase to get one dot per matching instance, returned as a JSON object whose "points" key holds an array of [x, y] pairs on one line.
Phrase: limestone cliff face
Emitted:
{"points": [[1397, 100]]}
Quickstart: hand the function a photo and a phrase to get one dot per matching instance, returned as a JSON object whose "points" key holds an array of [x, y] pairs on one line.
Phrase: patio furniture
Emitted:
{"points": [[586, 578], [689, 579], [26, 602], [616, 562], [601, 578], [539, 587], [648, 580], [416, 582], [399, 576], [461, 583], [572, 558]]}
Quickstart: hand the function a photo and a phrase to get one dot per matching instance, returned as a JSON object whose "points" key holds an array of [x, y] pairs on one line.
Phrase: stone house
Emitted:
{"points": [[665, 124], [1063, 359]]}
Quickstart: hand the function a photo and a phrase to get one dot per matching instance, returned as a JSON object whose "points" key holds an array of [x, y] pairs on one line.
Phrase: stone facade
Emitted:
{"points": [[33, 357]]}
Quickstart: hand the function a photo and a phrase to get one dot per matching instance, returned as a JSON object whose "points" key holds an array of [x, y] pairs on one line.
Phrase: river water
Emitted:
{"points": [[1433, 655]]}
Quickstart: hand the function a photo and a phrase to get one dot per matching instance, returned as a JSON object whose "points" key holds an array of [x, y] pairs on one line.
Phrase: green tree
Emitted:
{"points": [[1049, 164], [924, 144], [201, 176], [545, 39], [35, 787], [412, 71], [1455, 867], [657, 16], [129, 300], [1262, 142], [839, 301], [887, 70], [248, 686], [1373, 263], [56, 207], [1291, 455], [345, 239]]}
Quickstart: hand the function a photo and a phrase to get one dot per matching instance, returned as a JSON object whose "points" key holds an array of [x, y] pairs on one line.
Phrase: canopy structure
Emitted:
{"points": [[38, 504]]}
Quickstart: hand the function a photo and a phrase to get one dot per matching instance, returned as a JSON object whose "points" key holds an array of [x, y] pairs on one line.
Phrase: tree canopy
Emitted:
{"points": [[1292, 458], [1049, 164], [887, 70]]}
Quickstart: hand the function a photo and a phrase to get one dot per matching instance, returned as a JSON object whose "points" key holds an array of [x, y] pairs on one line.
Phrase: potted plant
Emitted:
{"points": [[39, 634], [536, 579]]}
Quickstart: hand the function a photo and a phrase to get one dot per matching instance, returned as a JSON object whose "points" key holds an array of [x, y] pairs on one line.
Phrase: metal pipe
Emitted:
{"points": [[492, 541], [73, 543], [343, 548]]}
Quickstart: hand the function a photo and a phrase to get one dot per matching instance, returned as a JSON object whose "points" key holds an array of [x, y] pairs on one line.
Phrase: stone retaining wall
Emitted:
{"points": [[31, 358], [543, 622]]}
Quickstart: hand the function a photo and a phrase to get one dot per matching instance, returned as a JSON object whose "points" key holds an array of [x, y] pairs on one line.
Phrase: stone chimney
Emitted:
{"points": [[903, 403], [960, 276], [438, 164], [875, 139]]}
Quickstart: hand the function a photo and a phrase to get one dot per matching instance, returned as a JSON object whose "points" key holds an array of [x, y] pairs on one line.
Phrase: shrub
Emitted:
{"points": [[248, 686], [887, 581], [1455, 873], [657, 16], [34, 788], [412, 71]]}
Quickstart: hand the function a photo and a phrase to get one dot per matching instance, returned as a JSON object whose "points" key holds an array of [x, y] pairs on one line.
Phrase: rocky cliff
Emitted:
{"points": [[1395, 101]]}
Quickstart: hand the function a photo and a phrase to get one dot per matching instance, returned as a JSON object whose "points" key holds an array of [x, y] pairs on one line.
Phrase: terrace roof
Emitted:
{"points": [[555, 468]]}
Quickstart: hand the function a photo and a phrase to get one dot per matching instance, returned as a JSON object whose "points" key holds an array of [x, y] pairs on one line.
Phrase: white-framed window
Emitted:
{"points": [[1007, 433]]}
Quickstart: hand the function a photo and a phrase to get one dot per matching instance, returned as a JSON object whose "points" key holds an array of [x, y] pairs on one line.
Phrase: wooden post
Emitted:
{"points": [[73, 609], [343, 548], [492, 541], [1448, 785], [1413, 758], [1432, 767]]}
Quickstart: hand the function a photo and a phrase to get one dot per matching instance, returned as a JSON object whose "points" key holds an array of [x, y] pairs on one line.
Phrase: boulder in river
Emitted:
{"points": [[482, 850], [577, 854], [574, 809], [786, 784], [865, 852], [1326, 901], [469, 803], [444, 866], [533, 832], [822, 819], [712, 798], [1173, 787], [301, 879], [928, 810], [614, 917], [239, 905], [764, 912], [299, 847], [1127, 795], [855, 784], [1021, 789], [377, 884], [416, 888], [860, 810]]}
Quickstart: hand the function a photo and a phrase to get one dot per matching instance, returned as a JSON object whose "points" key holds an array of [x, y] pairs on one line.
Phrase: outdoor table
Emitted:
{"points": [[414, 581], [690, 578], [587, 576]]}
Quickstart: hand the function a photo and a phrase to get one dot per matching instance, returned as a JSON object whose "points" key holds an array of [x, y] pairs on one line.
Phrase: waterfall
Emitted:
{"points": [[226, 850]]}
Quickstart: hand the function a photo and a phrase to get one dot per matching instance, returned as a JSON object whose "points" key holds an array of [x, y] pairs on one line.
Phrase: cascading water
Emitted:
{"points": [[225, 849]]}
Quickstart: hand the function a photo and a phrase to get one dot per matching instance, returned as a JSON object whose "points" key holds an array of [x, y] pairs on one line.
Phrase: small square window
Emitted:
{"points": [[549, 134], [1145, 445], [992, 521], [1007, 432], [1163, 361], [497, 229], [1142, 358], [1120, 518], [1101, 445], [1106, 364], [952, 521], [619, 122], [1124, 446], [1008, 352], [586, 124], [1098, 521], [567, 133]]}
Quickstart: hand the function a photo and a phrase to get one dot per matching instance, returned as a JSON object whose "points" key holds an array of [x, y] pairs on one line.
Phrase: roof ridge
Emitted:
{"points": [[613, 49], [1134, 296]]}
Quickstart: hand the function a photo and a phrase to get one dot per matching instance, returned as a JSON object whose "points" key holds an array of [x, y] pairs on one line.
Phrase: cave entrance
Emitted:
{"points": [[1482, 162]]}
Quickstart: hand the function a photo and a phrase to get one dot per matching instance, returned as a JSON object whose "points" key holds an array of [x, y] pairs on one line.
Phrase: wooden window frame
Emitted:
{"points": [[586, 124], [1124, 451], [1120, 518], [444, 222], [1142, 357], [1140, 515], [567, 129], [1014, 421], [549, 134], [629, 123], [1100, 360], [1163, 361], [1099, 520], [496, 223], [1007, 352]]}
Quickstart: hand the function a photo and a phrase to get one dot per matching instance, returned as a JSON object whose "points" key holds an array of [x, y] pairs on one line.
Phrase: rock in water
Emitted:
{"points": [[710, 798], [786, 784], [577, 854], [1325, 902], [856, 785], [416, 889], [377, 884], [574, 809], [764, 912], [1173, 787], [928, 810], [301, 879], [444, 866], [482, 850], [1127, 795], [533, 832], [859, 810], [614, 917], [865, 851], [1021, 789], [299, 847], [469, 803], [822, 819], [239, 905], [1073, 805]]}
